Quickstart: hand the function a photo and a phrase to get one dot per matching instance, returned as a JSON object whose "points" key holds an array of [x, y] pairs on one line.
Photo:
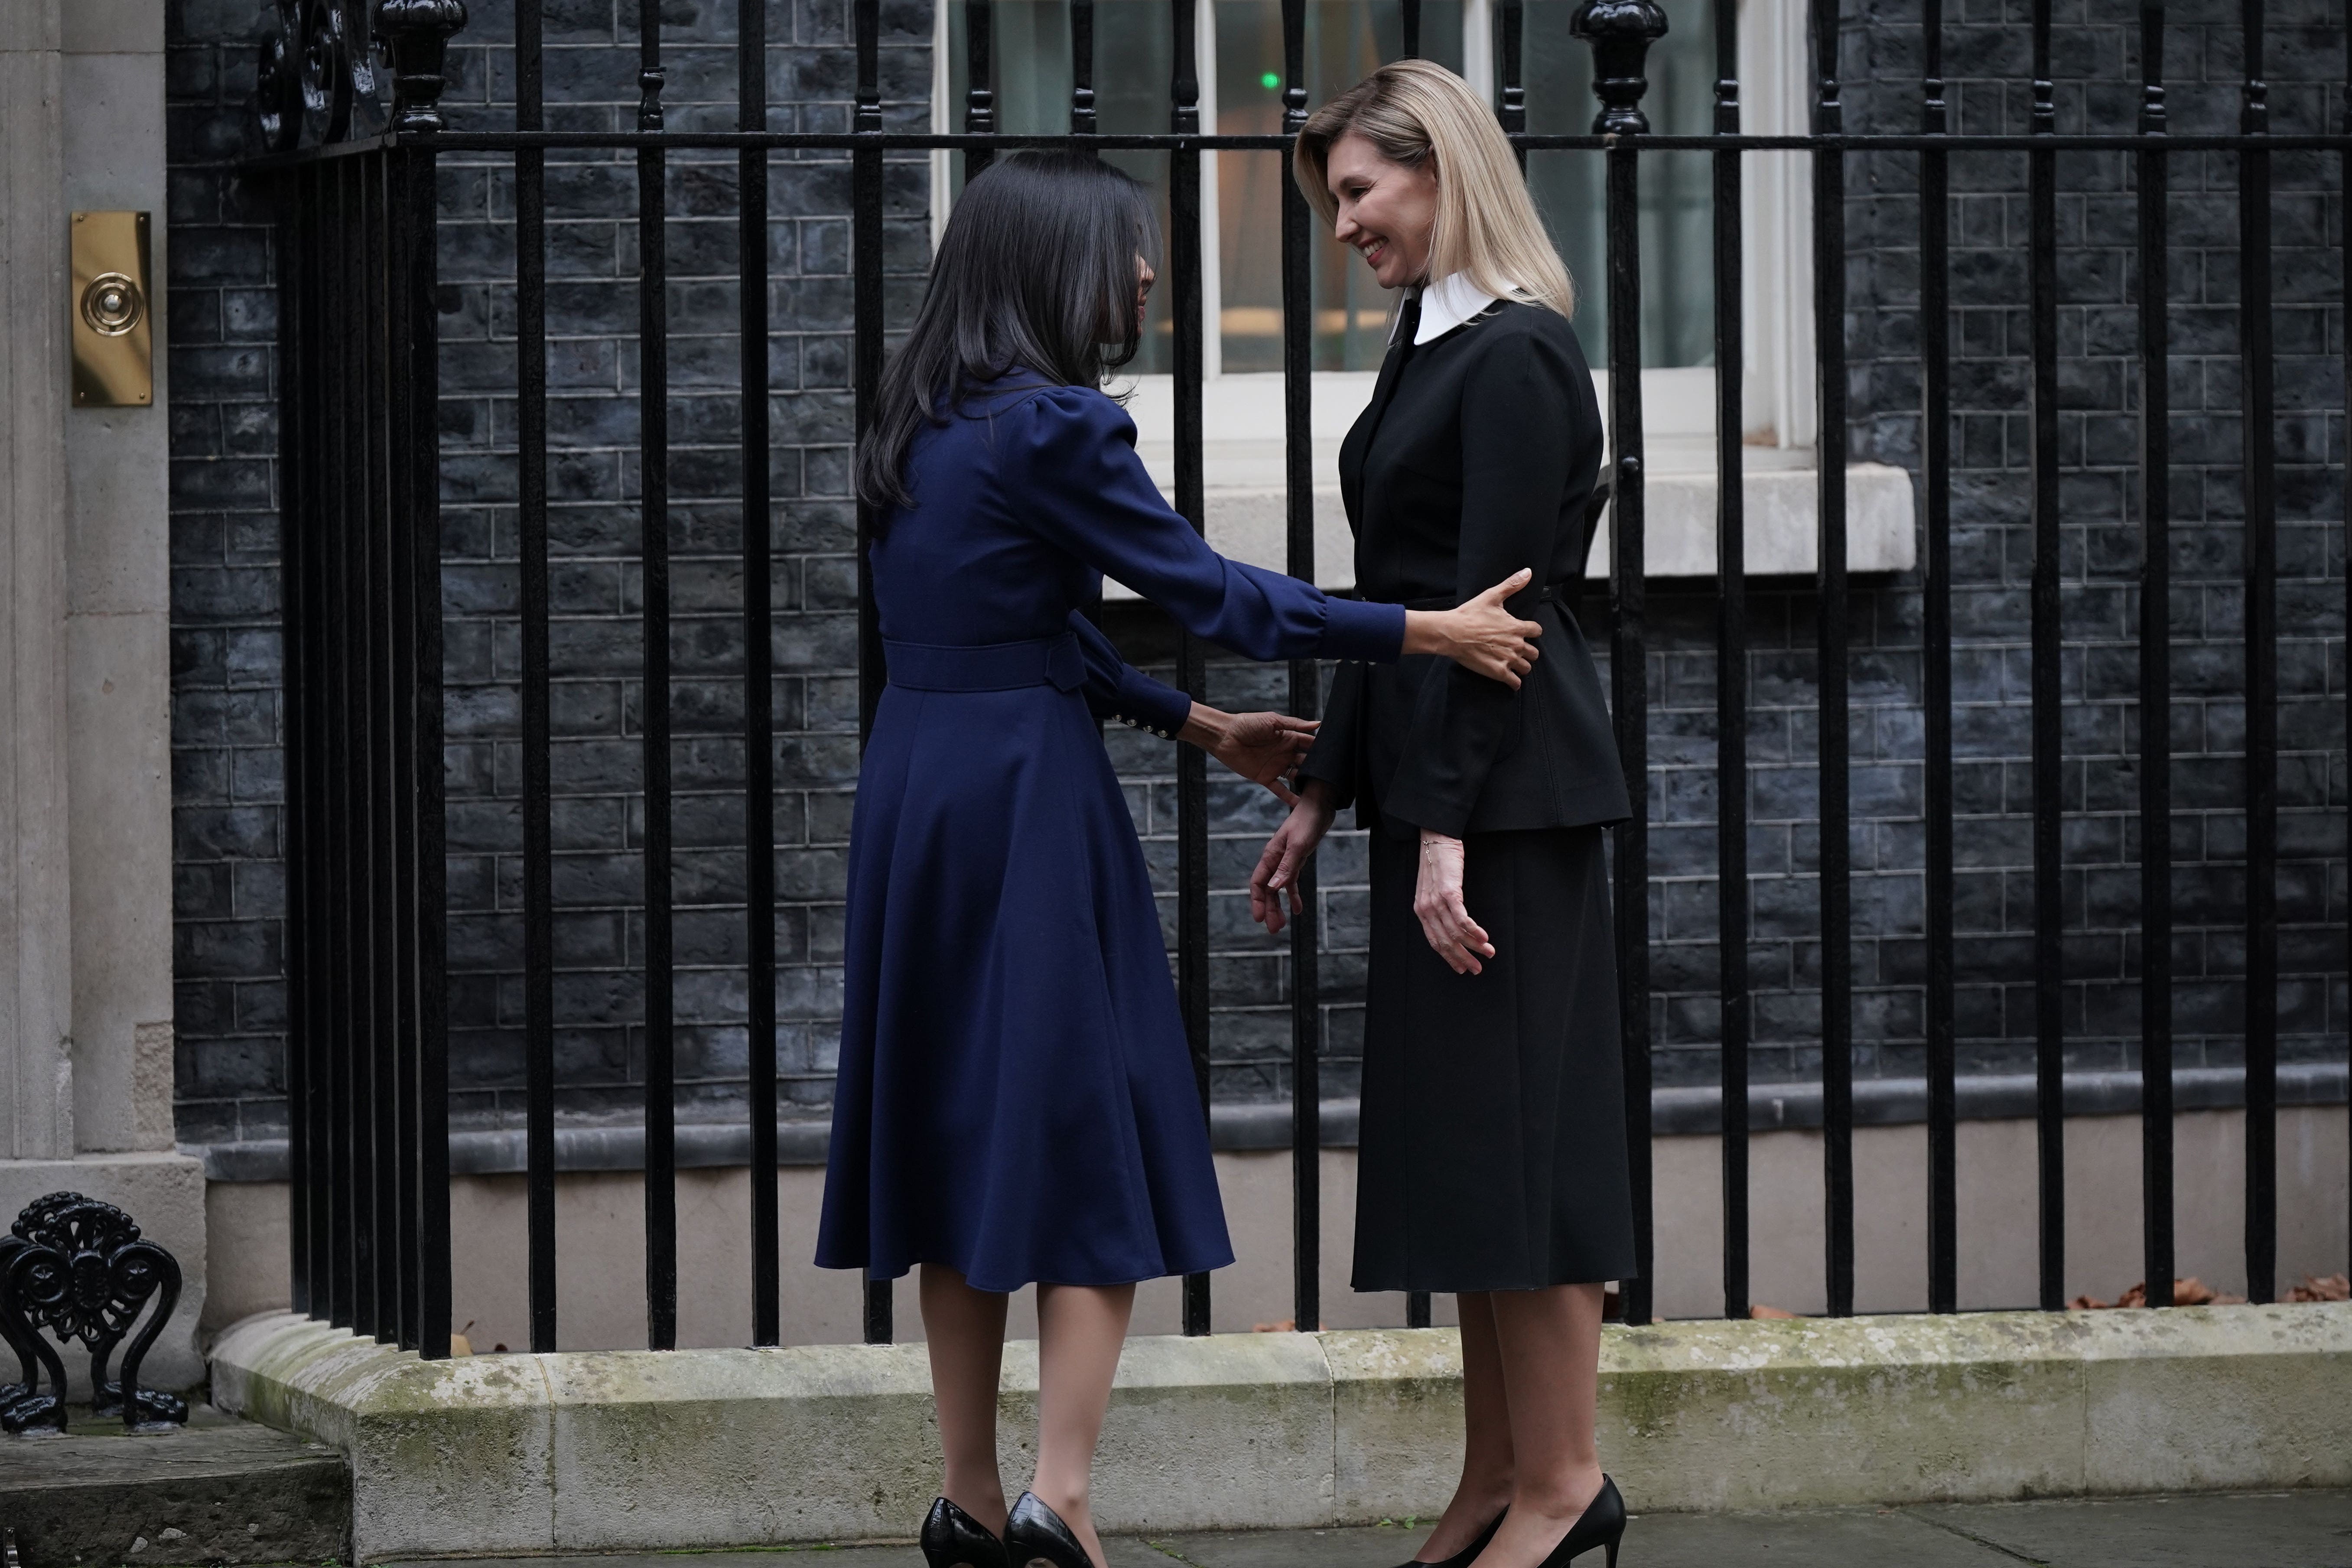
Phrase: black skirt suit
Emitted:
{"points": [[1492, 1151]]}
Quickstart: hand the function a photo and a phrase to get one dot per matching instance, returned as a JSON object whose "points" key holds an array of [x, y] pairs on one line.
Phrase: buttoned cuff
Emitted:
{"points": [[1147, 704]]}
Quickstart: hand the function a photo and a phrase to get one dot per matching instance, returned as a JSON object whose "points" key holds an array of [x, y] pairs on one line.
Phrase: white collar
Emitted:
{"points": [[1446, 304]]}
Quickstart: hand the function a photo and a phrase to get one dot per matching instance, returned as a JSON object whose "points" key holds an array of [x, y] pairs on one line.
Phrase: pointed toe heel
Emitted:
{"points": [[953, 1539], [1602, 1524], [1035, 1533], [1469, 1554]]}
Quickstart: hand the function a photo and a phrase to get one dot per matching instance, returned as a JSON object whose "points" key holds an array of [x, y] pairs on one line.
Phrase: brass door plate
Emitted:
{"points": [[114, 312]]}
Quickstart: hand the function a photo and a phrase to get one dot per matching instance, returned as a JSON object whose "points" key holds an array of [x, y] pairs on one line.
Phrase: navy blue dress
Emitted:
{"points": [[1014, 1097]]}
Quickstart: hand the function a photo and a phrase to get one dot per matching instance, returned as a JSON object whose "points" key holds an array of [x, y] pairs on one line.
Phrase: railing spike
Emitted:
{"points": [[1621, 33], [417, 34]]}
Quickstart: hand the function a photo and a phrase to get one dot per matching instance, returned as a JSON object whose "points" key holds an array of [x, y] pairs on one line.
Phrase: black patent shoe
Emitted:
{"points": [[1469, 1554], [1603, 1523], [1035, 1533], [953, 1539]]}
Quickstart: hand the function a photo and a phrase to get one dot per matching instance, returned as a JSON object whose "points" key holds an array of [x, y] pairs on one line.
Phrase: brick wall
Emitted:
{"points": [[2096, 69], [228, 887], [229, 903]]}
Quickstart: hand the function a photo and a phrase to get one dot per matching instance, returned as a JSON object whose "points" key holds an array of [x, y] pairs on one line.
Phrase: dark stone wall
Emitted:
{"points": [[227, 769], [227, 657], [595, 418], [2097, 70], [226, 673]]}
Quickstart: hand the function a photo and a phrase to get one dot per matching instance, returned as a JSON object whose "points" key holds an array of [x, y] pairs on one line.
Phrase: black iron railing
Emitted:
{"points": [[368, 1060]]}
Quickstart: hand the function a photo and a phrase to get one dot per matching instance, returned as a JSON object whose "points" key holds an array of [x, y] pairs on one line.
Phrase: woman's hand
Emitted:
{"points": [[1261, 747], [1437, 900], [1286, 852], [1481, 636]]}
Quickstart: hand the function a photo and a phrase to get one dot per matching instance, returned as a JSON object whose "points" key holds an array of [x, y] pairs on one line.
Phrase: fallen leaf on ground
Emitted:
{"points": [[2322, 1288], [2189, 1292]]}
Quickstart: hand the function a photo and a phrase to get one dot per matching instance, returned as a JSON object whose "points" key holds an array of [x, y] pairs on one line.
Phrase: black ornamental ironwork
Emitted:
{"points": [[79, 1269]]}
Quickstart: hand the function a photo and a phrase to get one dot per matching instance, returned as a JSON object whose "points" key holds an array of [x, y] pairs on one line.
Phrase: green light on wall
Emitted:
{"points": [[1269, 81]]}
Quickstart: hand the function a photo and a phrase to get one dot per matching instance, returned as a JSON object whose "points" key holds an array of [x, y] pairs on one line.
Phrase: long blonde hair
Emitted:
{"points": [[1420, 114]]}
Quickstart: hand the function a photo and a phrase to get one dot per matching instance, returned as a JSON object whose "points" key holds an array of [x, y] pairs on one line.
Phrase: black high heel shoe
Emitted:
{"points": [[1469, 1554], [1035, 1533], [1602, 1524], [953, 1539]]}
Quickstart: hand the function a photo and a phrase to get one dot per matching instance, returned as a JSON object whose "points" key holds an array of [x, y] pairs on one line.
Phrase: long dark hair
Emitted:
{"points": [[1036, 272]]}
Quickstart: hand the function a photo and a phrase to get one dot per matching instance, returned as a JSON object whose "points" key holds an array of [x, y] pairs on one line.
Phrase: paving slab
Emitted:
{"points": [[1828, 1537], [2240, 1529], [1380, 1546], [1124, 1551], [2276, 1529], [215, 1490]]}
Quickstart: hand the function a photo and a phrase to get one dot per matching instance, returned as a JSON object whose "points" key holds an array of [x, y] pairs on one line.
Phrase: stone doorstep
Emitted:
{"points": [[616, 1451], [218, 1490]]}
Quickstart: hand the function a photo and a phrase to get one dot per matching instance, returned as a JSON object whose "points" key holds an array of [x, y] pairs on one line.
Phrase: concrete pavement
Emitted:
{"points": [[2234, 1529]]}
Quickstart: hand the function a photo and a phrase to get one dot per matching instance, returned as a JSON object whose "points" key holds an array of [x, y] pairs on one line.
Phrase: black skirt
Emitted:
{"points": [[1492, 1155]]}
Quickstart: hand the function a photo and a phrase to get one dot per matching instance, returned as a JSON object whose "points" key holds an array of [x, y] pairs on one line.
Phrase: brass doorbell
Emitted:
{"points": [[114, 331]]}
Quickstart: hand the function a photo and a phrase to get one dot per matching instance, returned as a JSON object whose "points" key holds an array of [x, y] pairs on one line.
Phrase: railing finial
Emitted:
{"points": [[277, 82], [1184, 90], [867, 119], [417, 34], [1621, 33], [2254, 115]]}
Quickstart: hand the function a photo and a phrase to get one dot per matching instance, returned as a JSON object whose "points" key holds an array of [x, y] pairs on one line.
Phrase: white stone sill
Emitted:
{"points": [[638, 1451], [1247, 504]]}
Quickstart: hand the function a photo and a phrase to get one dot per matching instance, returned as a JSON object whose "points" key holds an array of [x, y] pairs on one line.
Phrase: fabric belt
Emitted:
{"points": [[1553, 593], [1053, 661]]}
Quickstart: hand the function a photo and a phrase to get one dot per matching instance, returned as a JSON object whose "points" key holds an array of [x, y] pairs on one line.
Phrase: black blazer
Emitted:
{"points": [[1479, 454]]}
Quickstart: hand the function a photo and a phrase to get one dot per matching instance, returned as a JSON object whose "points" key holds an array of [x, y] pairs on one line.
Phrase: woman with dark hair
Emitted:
{"points": [[1491, 1156], [1014, 1102]]}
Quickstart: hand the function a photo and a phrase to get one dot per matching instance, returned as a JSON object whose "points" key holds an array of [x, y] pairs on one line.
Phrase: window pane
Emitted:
{"points": [[1345, 40], [1678, 234]]}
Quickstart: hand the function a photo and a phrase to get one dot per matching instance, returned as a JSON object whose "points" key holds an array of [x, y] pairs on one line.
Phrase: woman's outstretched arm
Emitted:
{"points": [[1076, 474]]}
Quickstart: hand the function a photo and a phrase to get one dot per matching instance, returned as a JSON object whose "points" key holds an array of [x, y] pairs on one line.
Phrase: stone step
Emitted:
{"points": [[217, 1490]]}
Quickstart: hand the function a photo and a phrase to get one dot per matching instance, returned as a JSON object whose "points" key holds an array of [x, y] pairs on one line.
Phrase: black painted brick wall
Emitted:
{"points": [[596, 638], [227, 654], [228, 888], [2096, 69], [225, 651]]}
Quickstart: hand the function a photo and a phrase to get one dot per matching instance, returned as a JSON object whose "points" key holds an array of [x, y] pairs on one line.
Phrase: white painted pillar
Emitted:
{"points": [[85, 665], [35, 915], [117, 619]]}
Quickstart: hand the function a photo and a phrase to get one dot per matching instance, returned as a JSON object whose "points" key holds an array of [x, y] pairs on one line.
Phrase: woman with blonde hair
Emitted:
{"points": [[1493, 1155]]}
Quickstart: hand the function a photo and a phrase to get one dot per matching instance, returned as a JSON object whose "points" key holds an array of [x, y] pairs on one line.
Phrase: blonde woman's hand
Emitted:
{"points": [[1286, 854], [1481, 636], [1437, 900], [1262, 747]]}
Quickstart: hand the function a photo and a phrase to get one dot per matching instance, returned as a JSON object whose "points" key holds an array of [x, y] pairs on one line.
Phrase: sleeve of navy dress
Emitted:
{"points": [[1074, 456], [1117, 690]]}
